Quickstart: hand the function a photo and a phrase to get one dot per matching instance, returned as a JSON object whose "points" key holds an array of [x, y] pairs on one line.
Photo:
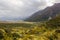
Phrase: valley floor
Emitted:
{"points": [[31, 31]]}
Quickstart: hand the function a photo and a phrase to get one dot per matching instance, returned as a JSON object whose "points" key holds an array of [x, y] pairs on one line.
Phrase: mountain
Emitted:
{"points": [[11, 18], [54, 23], [46, 14]]}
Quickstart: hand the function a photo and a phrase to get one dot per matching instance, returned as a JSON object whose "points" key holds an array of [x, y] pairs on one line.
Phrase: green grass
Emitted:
{"points": [[49, 30], [28, 31]]}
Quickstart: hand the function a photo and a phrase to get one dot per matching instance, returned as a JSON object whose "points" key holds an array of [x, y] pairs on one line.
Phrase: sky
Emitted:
{"points": [[10, 9]]}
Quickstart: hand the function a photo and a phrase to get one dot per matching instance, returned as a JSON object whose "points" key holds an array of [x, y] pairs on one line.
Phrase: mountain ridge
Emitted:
{"points": [[45, 14]]}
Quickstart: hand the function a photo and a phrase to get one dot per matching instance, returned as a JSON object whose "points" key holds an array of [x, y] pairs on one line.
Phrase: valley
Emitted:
{"points": [[49, 30]]}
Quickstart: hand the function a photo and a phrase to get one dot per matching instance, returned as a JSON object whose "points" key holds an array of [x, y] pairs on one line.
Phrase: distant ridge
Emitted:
{"points": [[46, 14]]}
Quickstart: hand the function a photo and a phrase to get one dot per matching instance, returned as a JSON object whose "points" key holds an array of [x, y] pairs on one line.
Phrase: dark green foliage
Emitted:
{"points": [[57, 31], [1, 35], [54, 23], [15, 35]]}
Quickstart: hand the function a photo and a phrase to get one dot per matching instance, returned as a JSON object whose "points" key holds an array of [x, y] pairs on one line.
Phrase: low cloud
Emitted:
{"points": [[20, 8]]}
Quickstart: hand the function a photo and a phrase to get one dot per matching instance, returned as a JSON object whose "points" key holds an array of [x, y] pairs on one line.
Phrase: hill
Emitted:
{"points": [[46, 14]]}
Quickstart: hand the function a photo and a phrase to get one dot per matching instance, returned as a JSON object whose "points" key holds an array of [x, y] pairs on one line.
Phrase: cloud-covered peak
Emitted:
{"points": [[21, 8]]}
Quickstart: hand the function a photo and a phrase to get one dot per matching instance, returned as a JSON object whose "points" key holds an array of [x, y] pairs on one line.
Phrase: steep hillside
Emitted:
{"points": [[46, 14], [54, 23]]}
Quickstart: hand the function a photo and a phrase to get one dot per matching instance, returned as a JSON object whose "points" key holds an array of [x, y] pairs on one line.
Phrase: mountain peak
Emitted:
{"points": [[57, 4], [44, 15]]}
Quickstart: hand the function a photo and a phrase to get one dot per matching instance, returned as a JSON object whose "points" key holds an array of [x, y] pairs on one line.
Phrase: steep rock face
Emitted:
{"points": [[46, 14]]}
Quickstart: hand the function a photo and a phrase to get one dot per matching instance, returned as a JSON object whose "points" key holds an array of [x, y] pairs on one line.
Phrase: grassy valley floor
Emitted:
{"points": [[29, 31]]}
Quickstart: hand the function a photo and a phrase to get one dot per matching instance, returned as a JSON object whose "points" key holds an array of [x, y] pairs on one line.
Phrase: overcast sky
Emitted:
{"points": [[22, 8]]}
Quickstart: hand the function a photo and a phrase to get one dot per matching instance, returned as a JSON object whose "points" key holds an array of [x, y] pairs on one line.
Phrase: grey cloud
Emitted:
{"points": [[57, 1], [28, 7]]}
